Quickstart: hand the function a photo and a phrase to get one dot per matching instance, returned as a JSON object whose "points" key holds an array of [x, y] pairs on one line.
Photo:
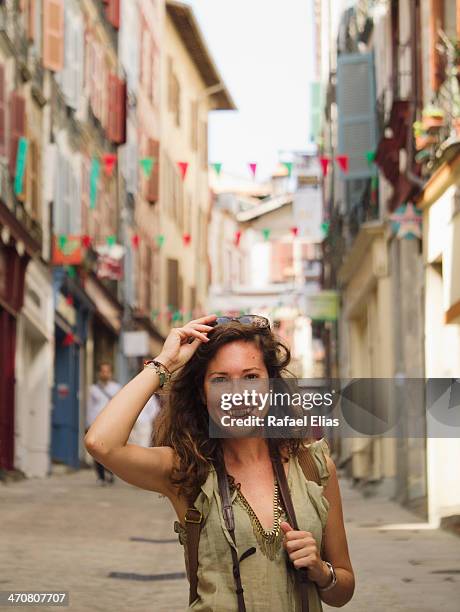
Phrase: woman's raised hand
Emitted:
{"points": [[182, 342]]}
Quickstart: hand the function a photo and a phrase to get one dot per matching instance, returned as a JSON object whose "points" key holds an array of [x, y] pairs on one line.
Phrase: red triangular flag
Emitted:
{"points": [[69, 339], [86, 241], [294, 231], [342, 160], [183, 166], [69, 300], [253, 169], [109, 160], [135, 240], [237, 238], [186, 238], [324, 161]]}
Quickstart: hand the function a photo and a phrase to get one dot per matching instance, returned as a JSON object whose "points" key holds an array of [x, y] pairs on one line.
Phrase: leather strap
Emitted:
{"points": [[193, 519], [300, 574], [229, 519]]}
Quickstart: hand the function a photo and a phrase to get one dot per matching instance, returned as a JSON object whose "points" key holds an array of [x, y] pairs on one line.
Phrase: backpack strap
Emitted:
{"points": [[193, 524], [301, 576]]}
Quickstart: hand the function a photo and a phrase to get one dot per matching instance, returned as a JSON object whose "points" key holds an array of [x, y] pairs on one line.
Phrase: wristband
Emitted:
{"points": [[163, 373], [333, 578]]}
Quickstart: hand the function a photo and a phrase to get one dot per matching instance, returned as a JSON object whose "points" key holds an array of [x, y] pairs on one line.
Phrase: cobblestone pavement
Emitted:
{"points": [[65, 533]]}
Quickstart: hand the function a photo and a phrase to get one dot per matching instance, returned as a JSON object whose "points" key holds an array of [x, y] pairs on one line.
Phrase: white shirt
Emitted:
{"points": [[99, 397], [150, 410]]}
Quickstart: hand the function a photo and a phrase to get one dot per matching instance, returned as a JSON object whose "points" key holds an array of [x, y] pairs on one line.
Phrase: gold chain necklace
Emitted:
{"points": [[269, 540]]}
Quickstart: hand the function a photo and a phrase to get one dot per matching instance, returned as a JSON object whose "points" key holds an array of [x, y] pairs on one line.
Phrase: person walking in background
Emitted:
{"points": [[141, 433], [100, 394]]}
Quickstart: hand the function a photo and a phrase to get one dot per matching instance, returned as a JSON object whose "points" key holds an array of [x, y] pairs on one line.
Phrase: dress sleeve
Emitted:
{"points": [[320, 450]]}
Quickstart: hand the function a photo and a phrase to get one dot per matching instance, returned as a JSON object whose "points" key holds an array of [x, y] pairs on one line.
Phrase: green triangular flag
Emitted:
{"points": [[147, 165], [217, 168], [111, 240], [288, 165], [370, 156], [71, 271], [62, 241], [93, 182], [266, 233], [325, 227], [177, 316], [160, 239]]}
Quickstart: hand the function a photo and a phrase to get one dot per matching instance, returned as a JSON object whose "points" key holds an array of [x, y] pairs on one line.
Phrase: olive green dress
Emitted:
{"points": [[268, 584]]}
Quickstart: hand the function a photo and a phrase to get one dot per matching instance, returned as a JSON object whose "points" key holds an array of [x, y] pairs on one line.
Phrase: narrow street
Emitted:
{"points": [[114, 549]]}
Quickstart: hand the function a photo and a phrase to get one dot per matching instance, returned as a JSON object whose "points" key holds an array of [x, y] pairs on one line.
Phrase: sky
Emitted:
{"points": [[263, 51]]}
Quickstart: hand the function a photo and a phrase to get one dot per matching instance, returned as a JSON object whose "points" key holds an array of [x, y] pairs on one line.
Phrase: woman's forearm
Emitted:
{"points": [[115, 422], [342, 592]]}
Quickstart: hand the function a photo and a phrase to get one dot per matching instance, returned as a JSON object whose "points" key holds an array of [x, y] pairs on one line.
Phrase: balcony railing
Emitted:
{"points": [[8, 20], [9, 199]]}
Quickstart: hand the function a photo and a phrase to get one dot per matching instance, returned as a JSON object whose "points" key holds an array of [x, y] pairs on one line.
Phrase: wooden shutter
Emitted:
{"points": [[85, 166], [436, 64], [18, 120], [33, 167], [458, 18], [31, 13], [116, 125], [194, 125], [173, 283], [2, 111], [112, 12], [356, 110], [53, 34], [153, 183], [121, 100], [112, 107]]}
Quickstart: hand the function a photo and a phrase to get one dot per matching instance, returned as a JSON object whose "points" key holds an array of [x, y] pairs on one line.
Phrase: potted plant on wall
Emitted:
{"points": [[422, 138], [433, 118]]}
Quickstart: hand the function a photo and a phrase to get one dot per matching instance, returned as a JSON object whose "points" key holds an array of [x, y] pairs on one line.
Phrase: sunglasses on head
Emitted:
{"points": [[254, 320]]}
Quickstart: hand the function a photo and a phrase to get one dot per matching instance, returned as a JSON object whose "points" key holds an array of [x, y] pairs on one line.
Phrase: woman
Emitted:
{"points": [[187, 466]]}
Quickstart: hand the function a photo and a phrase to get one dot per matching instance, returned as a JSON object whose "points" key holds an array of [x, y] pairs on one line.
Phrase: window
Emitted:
{"points": [[146, 74], [70, 78], [194, 125], [204, 144], [112, 12], [173, 284], [174, 94], [148, 278], [116, 120], [33, 182], [152, 184], [17, 126]]}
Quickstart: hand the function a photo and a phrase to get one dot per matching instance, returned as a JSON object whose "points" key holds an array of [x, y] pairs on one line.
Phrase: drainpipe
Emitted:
{"points": [[414, 100]]}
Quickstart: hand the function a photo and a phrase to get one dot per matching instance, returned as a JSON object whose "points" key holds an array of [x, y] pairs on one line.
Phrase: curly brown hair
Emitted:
{"points": [[183, 424]]}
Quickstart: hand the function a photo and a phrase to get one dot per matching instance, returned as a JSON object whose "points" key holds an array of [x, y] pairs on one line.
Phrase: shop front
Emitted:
{"points": [[17, 247], [72, 309], [34, 373]]}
